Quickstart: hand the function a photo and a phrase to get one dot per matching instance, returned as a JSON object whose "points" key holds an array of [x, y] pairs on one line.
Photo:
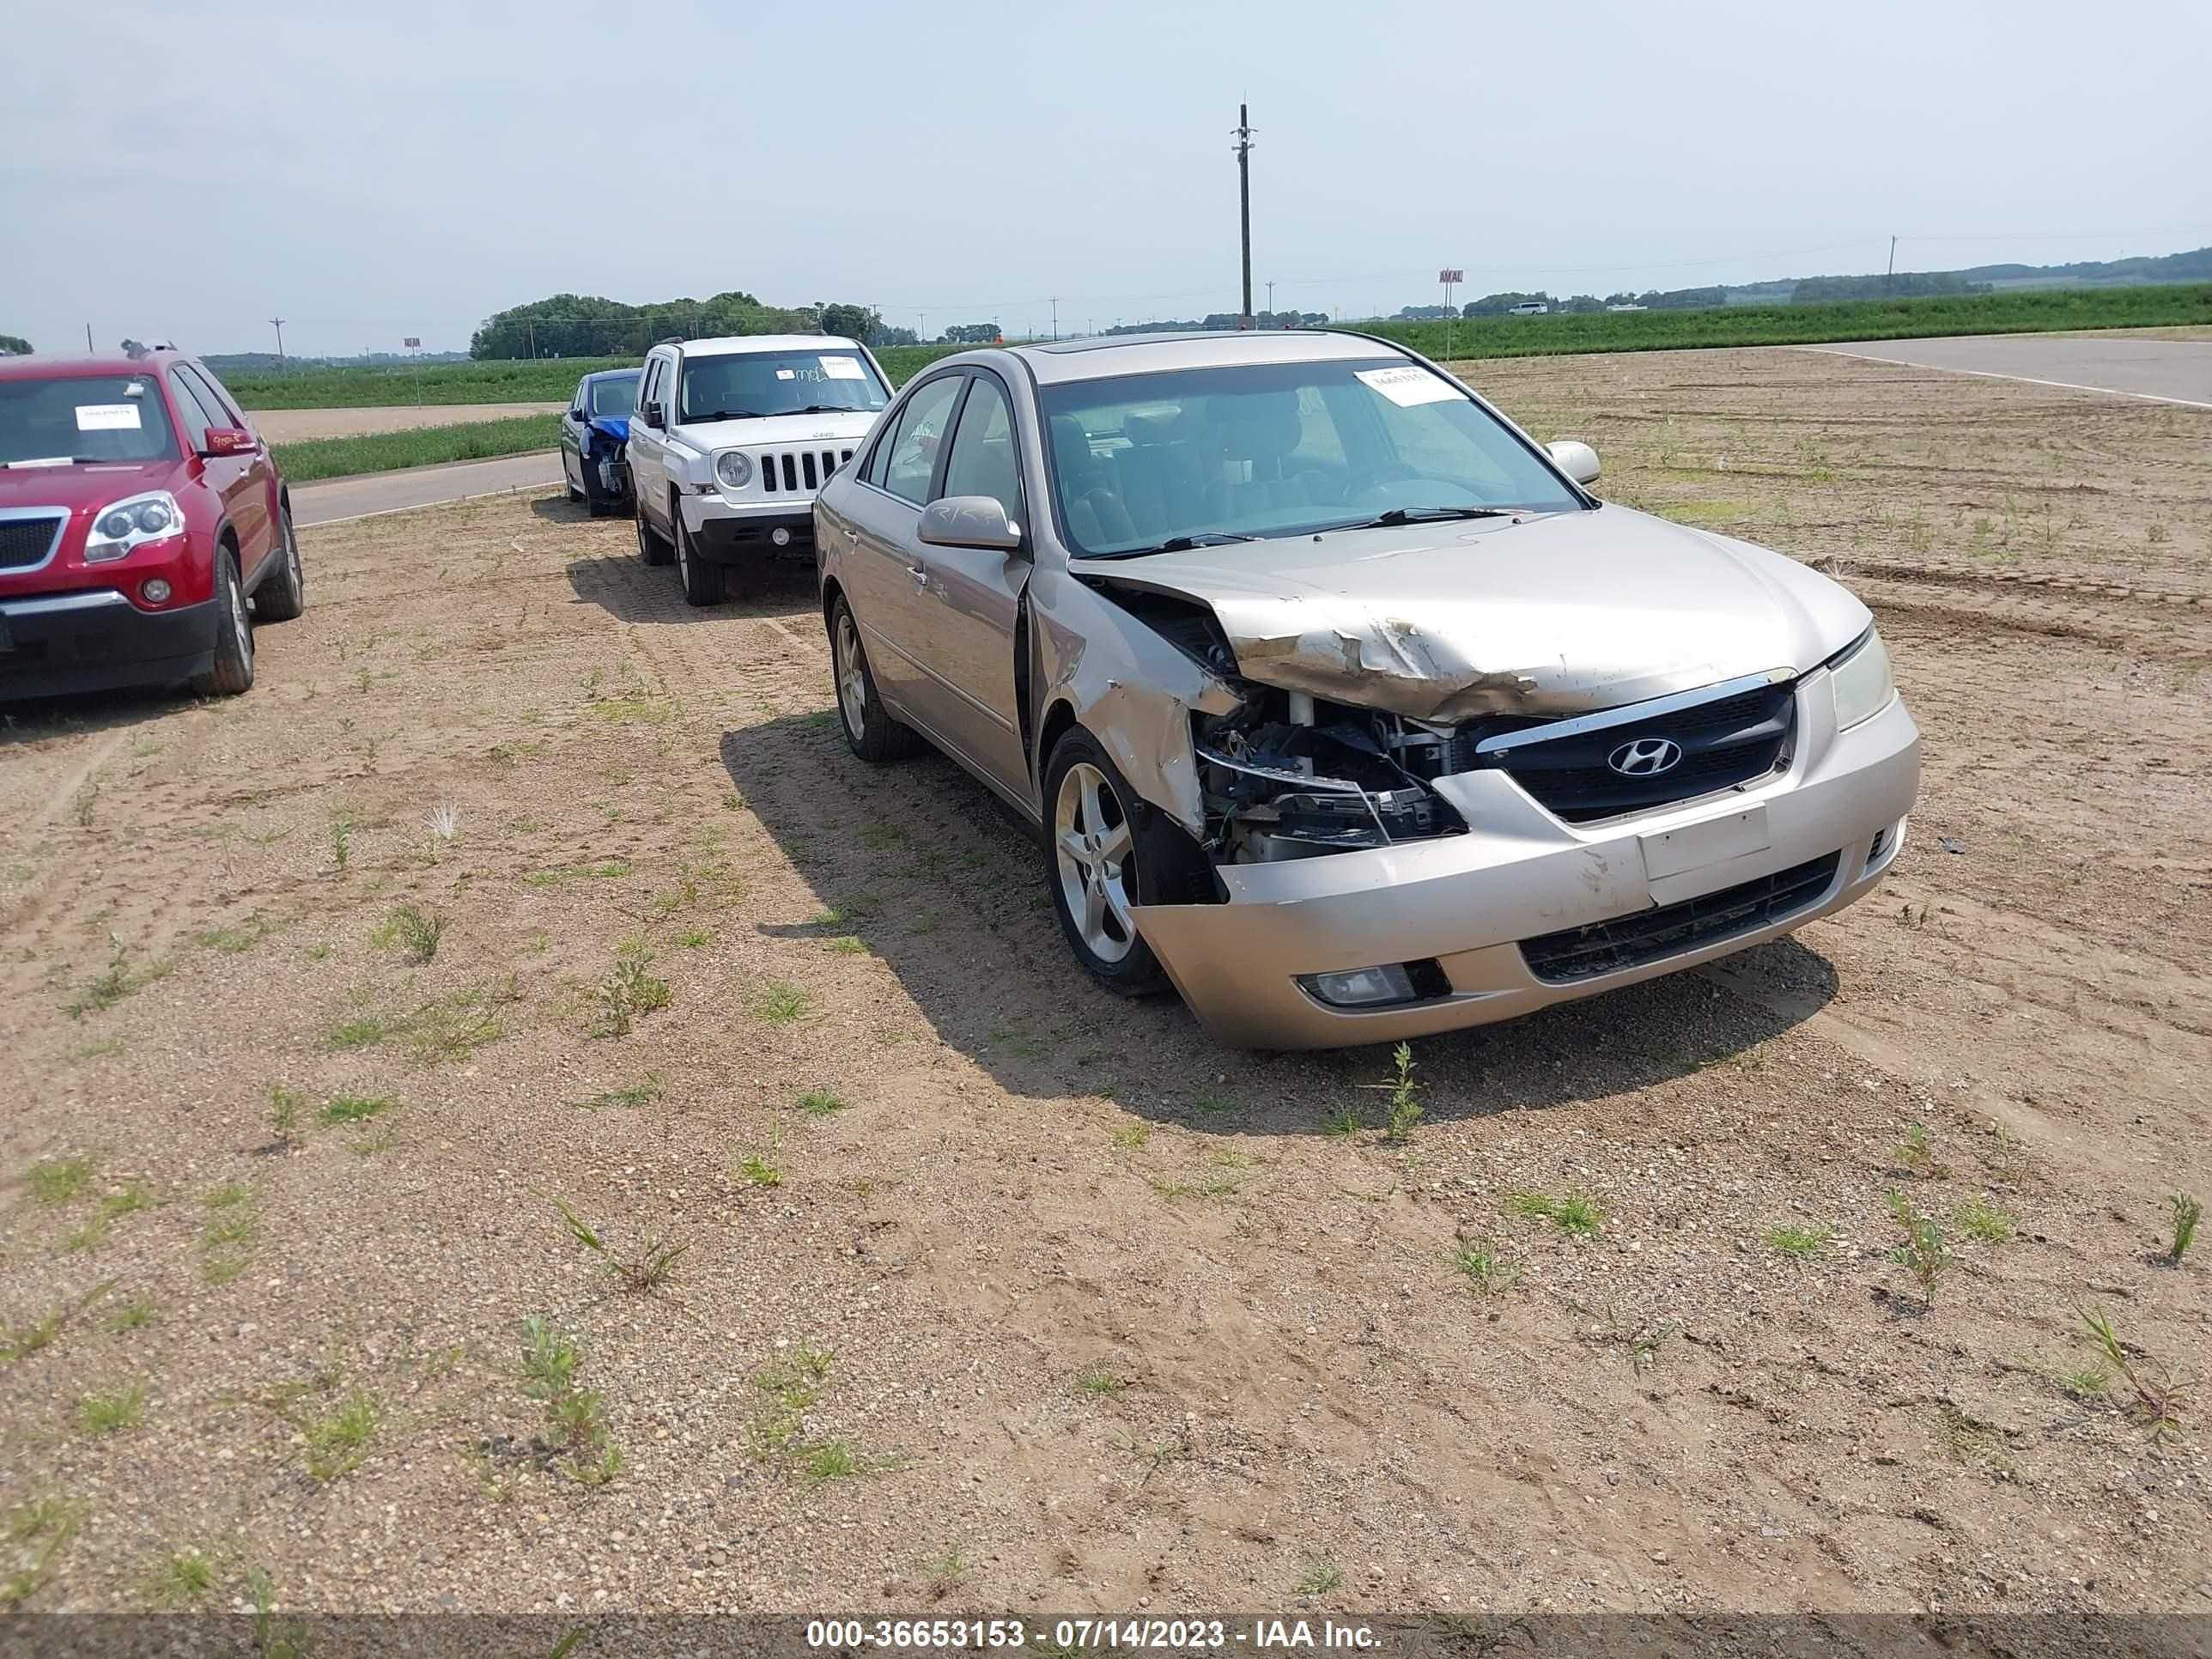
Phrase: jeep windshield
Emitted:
{"points": [[758, 383], [1147, 463], [77, 419]]}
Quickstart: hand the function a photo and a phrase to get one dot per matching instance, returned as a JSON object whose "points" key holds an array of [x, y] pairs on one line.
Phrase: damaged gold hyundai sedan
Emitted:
{"points": [[1341, 702]]}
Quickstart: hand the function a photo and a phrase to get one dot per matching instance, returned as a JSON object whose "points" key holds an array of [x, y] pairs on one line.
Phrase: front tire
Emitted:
{"points": [[702, 582], [869, 731], [282, 594], [1106, 850], [651, 550], [234, 635]]}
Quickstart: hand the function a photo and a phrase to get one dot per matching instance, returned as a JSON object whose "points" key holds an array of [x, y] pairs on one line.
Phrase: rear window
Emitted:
{"points": [[101, 418], [616, 398]]}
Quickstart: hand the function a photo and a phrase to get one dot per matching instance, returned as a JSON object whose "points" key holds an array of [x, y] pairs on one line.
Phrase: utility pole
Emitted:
{"points": [[1055, 316], [278, 324], [1889, 279], [1244, 200], [88, 339], [1271, 302], [531, 326]]}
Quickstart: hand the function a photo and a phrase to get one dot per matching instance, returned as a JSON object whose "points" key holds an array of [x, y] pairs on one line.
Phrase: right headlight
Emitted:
{"points": [[1861, 680], [734, 469]]}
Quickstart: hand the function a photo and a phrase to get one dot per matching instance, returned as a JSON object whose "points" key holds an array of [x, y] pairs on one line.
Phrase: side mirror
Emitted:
{"points": [[652, 415], [228, 441], [1577, 460], [970, 521]]}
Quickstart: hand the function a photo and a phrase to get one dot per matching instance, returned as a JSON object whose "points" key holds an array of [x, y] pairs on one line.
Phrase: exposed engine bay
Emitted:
{"points": [[1288, 775]]}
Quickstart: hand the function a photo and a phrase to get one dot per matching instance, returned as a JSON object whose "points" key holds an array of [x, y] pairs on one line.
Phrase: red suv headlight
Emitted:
{"points": [[116, 530]]}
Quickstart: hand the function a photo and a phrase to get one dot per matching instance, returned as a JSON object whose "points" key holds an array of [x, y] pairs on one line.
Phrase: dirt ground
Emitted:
{"points": [[998, 1293], [285, 426]]}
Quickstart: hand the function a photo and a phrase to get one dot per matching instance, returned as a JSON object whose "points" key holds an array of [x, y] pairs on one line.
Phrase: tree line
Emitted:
{"points": [[587, 326]]}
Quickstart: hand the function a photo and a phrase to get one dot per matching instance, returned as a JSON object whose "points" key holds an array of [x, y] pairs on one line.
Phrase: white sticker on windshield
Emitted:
{"points": [[843, 368], [107, 417], [1408, 386], [787, 374]]}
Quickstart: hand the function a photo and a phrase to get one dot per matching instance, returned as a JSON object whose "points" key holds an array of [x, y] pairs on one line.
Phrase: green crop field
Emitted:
{"points": [[2033, 312], [551, 380], [383, 452]]}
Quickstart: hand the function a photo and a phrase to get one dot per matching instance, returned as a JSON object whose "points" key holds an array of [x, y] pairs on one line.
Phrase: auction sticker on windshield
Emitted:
{"points": [[843, 368], [1407, 386], [107, 417]]}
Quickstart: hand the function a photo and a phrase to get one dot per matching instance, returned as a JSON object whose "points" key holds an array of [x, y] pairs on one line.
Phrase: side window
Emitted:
{"points": [[982, 461], [195, 418], [650, 392], [921, 431], [214, 395]]}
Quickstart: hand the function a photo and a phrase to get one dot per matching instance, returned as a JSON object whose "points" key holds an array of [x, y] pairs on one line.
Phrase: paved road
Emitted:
{"points": [[2162, 371], [285, 426], [422, 486]]}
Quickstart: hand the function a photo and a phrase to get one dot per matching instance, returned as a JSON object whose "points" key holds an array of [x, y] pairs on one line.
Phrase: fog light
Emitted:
{"points": [[153, 590], [782, 538], [1360, 988]]}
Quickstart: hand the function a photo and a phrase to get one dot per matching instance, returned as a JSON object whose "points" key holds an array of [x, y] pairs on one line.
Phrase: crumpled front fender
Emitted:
{"points": [[1129, 688]]}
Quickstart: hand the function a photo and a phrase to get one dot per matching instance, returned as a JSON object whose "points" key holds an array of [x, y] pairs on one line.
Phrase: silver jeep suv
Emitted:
{"points": [[733, 438]]}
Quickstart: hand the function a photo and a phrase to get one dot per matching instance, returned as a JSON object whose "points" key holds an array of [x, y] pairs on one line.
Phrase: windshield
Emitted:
{"points": [[101, 418], [779, 383], [616, 397], [1278, 449]]}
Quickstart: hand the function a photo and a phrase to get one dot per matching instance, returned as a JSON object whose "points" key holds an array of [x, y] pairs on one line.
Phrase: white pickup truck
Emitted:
{"points": [[731, 439]]}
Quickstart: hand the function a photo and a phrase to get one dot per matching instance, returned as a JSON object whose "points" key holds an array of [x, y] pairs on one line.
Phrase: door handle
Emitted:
{"points": [[921, 575]]}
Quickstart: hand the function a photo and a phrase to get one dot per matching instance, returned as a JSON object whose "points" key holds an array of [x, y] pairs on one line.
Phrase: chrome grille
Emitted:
{"points": [[1723, 742]]}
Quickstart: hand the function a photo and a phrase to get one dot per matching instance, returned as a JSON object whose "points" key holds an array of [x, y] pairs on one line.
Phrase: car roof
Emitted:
{"points": [[612, 375], [1062, 361], [731, 344], [63, 368]]}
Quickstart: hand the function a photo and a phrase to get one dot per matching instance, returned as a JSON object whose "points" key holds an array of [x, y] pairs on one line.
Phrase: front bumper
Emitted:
{"points": [[723, 533], [96, 640], [1468, 902]]}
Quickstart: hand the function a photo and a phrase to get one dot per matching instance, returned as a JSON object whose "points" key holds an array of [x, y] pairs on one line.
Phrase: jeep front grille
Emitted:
{"points": [[790, 470]]}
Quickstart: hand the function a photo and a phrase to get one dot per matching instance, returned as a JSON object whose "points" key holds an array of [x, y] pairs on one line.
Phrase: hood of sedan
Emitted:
{"points": [[1555, 614], [613, 426]]}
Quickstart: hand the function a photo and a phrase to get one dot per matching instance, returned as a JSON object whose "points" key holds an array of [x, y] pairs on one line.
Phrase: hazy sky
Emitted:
{"points": [[374, 170]]}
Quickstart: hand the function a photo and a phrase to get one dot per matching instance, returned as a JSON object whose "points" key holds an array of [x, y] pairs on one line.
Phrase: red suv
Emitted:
{"points": [[138, 511]]}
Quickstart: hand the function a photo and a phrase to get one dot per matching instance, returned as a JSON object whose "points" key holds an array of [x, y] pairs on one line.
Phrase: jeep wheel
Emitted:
{"points": [[702, 582], [651, 550]]}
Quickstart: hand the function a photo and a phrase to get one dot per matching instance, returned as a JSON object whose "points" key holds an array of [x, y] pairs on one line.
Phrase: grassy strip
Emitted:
{"points": [[382, 452], [2036, 311], [550, 380]]}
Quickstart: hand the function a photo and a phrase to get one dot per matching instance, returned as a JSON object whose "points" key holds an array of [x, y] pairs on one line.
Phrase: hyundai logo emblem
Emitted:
{"points": [[1646, 757]]}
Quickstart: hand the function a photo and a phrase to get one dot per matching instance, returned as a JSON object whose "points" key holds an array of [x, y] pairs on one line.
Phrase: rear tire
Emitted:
{"points": [[702, 582], [651, 550], [234, 635], [869, 731], [1131, 854], [282, 594]]}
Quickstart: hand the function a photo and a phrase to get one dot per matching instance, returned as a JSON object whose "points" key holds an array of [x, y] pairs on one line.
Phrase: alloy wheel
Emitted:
{"points": [[1092, 843], [852, 677]]}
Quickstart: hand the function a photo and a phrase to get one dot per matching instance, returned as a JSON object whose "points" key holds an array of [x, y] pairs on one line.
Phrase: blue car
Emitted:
{"points": [[594, 436]]}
